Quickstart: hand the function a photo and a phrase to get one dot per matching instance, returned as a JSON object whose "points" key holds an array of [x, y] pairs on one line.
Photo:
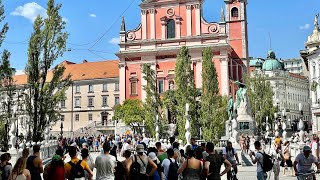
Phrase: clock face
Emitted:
{"points": [[170, 12]]}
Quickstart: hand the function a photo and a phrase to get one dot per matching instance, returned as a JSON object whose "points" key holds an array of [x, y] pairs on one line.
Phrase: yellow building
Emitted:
{"points": [[89, 100]]}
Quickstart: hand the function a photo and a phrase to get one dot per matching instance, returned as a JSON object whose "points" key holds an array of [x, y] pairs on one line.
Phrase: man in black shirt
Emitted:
{"points": [[213, 164]]}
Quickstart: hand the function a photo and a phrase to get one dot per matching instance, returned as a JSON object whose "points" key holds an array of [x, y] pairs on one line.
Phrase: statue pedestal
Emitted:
{"points": [[246, 122]]}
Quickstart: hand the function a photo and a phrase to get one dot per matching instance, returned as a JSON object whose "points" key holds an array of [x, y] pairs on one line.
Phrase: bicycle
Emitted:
{"points": [[233, 175], [306, 176]]}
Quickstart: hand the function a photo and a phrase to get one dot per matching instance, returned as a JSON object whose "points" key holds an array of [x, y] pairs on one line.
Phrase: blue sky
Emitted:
{"points": [[289, 23]]}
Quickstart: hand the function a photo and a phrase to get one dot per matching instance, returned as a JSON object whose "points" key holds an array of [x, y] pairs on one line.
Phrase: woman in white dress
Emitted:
{"points": [[251, 147], [19, 171]]}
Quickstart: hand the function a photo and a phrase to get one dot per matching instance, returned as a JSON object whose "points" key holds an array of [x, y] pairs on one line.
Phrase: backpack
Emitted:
{"points": [[2, 171], [120, 171], [76, 171], [267, 164], [135, 169], [173, 171]]}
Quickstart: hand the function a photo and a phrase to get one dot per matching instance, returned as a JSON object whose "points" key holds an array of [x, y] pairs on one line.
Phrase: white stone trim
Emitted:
{"points": [[189, 19], [152, 24], [122, 82], [144, 23], [198, 19], [224, 77]]}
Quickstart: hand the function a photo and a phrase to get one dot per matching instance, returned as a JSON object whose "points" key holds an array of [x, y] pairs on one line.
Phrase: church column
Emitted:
{"points": [[224, 76], [189, 20], [152, 24], [144, 23], [143, 83], [122, 82], [163, 28], [199, 73], [198, 18], [178, 27]]}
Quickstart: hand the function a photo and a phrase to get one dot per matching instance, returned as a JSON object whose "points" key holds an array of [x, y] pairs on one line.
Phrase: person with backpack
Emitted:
{"points": [[105, 164], [170, 166], [137, 165], [231, 155], [5, 167], [213, 163], [263, 160], [75, 168], [34, 164]]}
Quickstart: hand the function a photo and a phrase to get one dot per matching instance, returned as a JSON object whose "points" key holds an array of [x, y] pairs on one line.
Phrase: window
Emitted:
{"points": [[234, 12], [116, 86], [133, 88], [90, 101], [171, 85], [160, 86], [61, 118], [171, 32], [63, 104], [77, 102], [90, 117], [90, 88], [77, 118], [78, 89], [104, 87], [104, 101], [171, 72], [116, 100]]}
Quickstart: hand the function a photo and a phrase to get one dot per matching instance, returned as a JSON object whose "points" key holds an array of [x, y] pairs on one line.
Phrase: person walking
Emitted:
{"points": [[86, 157], [191, 168], [212, 167], [34, 164], [143, 160], [55, 171], [105, 164], [258, 158], [286, 161], [19, 171], [72, 168]]}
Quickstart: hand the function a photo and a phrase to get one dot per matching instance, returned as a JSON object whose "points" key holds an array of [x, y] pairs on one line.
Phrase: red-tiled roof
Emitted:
{"points": [[83, 71]]}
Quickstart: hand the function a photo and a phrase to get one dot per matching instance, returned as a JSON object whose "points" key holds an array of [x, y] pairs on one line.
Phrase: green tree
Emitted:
{"points": [[185, 92], [260, 96], [213, 109], [131, 112], [153, 103], [46, 87], [7, 87]]}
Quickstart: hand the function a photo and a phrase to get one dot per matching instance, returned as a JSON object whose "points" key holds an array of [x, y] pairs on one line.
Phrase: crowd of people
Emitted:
{"points": [[146, 161]]}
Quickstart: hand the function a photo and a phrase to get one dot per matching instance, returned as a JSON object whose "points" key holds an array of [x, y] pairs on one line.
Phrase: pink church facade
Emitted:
{"points": [[166, 26]]}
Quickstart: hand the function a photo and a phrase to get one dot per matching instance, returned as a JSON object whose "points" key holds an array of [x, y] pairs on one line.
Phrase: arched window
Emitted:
{"points": [[234, 12], [171, 32]]}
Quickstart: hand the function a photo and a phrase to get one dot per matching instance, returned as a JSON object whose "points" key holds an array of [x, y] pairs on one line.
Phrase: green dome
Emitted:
{"points": [[272, 63]]}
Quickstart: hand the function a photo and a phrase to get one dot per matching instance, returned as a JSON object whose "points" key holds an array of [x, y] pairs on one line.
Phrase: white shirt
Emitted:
{"points": [[230, 155], [127, 147], [314, 148], [146, 141], [166, 164]]}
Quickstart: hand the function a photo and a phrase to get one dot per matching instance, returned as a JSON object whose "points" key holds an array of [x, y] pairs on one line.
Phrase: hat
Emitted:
{"points": [[306, 148], [140, 148], [153, 156], [56, 158]]}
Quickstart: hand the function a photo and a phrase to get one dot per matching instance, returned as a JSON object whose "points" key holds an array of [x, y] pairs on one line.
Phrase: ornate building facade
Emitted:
{"points": [[166, 26], [311, 56]]}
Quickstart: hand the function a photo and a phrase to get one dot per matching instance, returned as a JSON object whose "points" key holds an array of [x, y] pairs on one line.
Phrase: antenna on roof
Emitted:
{"points": [[270, 42]]}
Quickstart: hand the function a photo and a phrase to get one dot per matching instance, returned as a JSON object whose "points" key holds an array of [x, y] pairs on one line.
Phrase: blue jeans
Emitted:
{"points": [[260, 176]]}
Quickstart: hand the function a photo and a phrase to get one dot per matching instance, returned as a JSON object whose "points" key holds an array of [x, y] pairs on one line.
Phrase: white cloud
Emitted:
{"points": [[29, 11], [19, 72], [115, 41], [304, 27], [93, 15]]}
